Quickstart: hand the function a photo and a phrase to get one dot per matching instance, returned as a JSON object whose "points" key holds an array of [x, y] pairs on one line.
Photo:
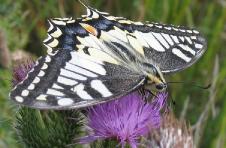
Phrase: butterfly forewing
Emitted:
{"points": [[172, 48]]}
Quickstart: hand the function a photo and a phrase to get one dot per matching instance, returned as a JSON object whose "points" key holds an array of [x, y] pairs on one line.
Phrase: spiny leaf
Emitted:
{"points": [[48, 128]]}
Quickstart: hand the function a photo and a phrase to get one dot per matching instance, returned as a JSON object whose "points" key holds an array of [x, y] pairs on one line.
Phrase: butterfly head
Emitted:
{"points": [[155, 79]]}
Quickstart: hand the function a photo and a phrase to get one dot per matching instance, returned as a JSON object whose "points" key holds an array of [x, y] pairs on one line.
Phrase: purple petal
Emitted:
{"points": [[125, 119], [20, 72]]}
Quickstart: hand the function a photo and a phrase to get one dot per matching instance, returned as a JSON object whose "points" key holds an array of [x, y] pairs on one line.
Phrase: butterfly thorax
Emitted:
{"points": [[154, 77]]}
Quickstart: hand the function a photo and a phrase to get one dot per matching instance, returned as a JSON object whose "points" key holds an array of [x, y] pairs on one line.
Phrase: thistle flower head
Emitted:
{"points": [[172, 133], [20, 72], [124, 119]]}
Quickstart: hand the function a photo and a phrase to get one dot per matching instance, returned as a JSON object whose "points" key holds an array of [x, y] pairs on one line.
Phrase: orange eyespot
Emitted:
{"points": [[90, 29]]}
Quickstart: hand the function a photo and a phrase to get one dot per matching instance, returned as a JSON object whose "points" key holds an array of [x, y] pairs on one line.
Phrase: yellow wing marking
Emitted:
{"points": [[98, 54], [135, 44]]}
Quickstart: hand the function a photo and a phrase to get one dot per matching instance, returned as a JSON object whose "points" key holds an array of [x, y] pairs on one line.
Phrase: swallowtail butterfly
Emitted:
{"points": [[100, 57]]}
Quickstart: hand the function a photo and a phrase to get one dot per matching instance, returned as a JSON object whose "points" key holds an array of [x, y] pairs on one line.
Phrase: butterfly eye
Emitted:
{"points": [[161, 86]]}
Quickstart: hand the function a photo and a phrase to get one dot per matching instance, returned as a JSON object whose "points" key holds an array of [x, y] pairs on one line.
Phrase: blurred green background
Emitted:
{"points": [[23, 26]]}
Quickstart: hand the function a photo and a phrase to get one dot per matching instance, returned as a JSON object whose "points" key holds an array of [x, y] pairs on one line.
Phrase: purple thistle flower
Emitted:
{"points": [[125, 119], [20, 72]]}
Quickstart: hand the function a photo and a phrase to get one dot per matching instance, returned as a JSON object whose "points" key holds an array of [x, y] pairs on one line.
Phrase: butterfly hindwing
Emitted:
{"points": [[69, 79]]}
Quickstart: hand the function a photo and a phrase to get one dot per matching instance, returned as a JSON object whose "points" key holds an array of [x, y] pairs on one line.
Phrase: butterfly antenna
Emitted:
{"points": [[83, 3], [192, 84], [172, 100]]}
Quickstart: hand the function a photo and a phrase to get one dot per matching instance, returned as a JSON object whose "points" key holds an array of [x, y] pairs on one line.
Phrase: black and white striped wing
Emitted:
{"points": [[172, 48], [69, 79]]}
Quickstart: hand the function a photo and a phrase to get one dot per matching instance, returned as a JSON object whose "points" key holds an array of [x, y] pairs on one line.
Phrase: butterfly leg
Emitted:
{"points": [[146, 94], [141, 91]]}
